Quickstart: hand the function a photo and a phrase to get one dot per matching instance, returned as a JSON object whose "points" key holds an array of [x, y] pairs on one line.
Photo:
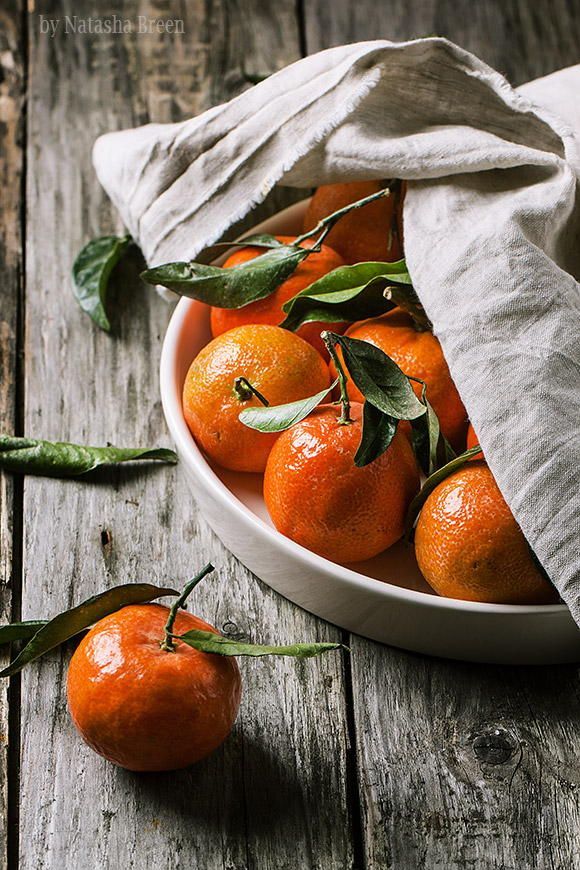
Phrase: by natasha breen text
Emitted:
{"points": [[111, 24]]}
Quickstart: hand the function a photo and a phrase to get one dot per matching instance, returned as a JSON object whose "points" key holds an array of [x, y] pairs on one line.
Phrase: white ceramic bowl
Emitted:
{"points": [[385, 599]]}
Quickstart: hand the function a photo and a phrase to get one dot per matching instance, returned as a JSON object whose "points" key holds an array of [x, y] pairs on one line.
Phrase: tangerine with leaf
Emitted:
{"points": [[269, 309], [143, 707], [372, 232], [247, 366], [318, 497], [143, 700], [156, 688], [414, 348], [339, 482]]}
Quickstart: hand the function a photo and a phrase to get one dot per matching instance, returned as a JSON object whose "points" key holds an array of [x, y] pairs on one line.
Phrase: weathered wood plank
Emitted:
{"points": [[520, 39], [463, 766], [12, 86], [275, 795]]}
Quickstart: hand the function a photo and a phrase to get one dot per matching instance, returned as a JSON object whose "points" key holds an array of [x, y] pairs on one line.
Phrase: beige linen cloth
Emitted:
{"points": [[492, 229]]}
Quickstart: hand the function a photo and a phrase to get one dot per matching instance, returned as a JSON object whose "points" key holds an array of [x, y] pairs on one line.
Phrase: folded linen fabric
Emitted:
{"points": [[492, 229]]}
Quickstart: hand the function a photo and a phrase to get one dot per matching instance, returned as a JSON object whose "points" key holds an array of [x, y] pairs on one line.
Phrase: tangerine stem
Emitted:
{"points": [[345, 417], [167, 642], [325, 225], [406, 298], [244, 390]]}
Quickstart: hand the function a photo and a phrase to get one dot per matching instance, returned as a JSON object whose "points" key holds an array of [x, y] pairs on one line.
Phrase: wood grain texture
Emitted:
{"points": [[458, 766], [275, 795], [12, 87], [463, 766], [466, 767], [521, 39]]}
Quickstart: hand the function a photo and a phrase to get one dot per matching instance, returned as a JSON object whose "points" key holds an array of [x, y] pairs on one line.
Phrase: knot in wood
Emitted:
{"points": [[231, 630], [494, 746]]}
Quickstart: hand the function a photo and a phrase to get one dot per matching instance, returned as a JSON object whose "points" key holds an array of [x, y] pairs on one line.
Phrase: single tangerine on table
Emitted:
{"points": [[419, 355], [364, 233], [469, 546], [145, 708], [279, 364], [269, 310], [318, 497]]}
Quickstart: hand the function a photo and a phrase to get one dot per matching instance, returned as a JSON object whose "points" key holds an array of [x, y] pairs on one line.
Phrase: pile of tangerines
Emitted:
{"points": [[467, 543], [340, 415]]}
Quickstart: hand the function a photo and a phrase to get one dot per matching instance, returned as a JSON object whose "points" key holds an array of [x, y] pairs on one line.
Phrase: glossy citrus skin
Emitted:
{"points": [[269, 310], [468, 544], [318, 497], [281, 365], [363, 234], [144, 708], [419, 355], [472, 439]]}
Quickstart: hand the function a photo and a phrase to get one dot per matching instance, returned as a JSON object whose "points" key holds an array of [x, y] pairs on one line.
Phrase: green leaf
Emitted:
{"points": [[91, 271], [207, 641], [348, 293], [260, 240], [425, 439], [433, 481], [71, 622], [378, 431], [379, 378], [430, 445], [276, 418], [234, 287], [20, 630], [61, 459]]}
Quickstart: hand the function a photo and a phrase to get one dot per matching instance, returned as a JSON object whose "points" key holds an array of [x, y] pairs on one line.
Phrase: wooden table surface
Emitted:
{"points": [[380, 759]]}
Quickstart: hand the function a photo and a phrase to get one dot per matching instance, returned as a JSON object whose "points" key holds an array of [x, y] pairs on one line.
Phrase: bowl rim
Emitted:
{"points": [[189, 452]]}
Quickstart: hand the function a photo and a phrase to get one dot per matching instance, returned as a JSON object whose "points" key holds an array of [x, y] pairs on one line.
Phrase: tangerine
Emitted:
{"points": [[469, 546], [269, 310], [145, 708], [279, 364], [364, 233], [319, 498], [472, 439], [419, 355]]}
